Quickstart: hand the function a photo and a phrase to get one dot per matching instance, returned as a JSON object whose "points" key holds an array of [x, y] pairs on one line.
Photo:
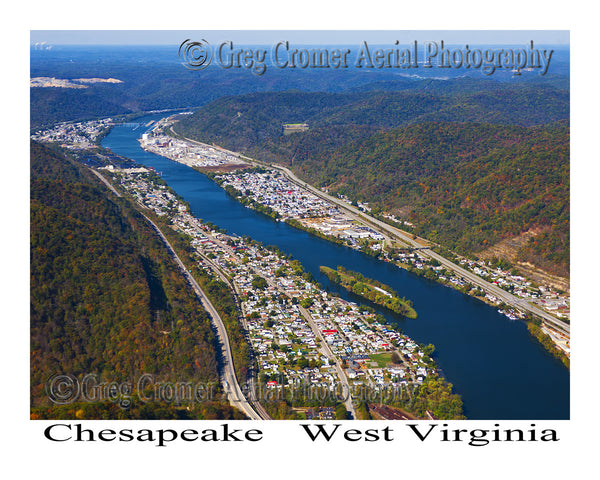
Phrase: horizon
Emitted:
{"points": [[301, 37]]}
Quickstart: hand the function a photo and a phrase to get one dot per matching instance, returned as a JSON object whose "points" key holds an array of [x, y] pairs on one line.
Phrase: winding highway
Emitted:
{"points": [[228, 379], [388, 230], [324, 348], [383, 228]]}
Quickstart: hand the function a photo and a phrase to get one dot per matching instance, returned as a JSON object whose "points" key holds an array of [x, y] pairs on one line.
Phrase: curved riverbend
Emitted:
{"points": [[500, 371]]}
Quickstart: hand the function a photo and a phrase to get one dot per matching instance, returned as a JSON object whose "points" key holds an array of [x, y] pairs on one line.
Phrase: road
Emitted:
{"points": [[105, 181], [229, 380], [383, 227], [251, 381], [325, 349], [403, 237]]}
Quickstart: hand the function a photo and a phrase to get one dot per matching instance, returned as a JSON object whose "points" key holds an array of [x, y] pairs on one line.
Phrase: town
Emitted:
{"points": [[79, 135], [303, 337], [194, 155], [287, 201]]}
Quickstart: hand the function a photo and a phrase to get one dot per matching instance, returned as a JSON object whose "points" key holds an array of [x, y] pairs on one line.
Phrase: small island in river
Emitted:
{"points": [[370, 289]]}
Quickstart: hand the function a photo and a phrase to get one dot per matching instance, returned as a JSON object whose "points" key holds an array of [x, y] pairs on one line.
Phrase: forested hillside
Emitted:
{"points": [[153, 77], [469, 163], [464, 185], [106, 299], [253, 122]]}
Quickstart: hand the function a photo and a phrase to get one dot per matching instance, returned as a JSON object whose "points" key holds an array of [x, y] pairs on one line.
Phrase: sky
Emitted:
{"points": [[305, 37]]}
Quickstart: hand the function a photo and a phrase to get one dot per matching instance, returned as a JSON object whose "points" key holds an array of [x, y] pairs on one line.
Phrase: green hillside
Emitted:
{"points": [[253, 122], [466, 186], [470, 164], [106, 299]]}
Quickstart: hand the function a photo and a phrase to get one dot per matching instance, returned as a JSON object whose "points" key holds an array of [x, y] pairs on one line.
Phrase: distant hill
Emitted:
{"points": [[464, 185], [154, 78], [106, 299], [253, 122], [469, 164]]}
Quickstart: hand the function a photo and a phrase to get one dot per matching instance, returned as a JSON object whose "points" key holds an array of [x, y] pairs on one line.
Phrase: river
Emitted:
{"points": [[500, 371]]}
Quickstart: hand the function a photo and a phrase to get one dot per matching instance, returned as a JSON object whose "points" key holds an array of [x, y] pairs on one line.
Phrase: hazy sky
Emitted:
{"points": [[325, 37]]}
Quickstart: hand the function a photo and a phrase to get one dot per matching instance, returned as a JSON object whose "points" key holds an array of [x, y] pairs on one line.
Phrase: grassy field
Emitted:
{"points": [[382, 359]]}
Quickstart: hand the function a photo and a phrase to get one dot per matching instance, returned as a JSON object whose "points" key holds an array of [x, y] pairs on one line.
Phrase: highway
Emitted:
{"points": [[105, 181], [325, 349], [383, 227], [251, 381], [228, 379], [403, 237]]}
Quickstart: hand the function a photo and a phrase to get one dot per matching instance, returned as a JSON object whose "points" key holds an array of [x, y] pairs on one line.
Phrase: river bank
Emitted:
{"points": [[370, 289], [460, 327]]}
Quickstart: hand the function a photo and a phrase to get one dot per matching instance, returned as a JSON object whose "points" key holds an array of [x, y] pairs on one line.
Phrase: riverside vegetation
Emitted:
{"points": [[106, 299], [370, 289], [468, 165]]}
